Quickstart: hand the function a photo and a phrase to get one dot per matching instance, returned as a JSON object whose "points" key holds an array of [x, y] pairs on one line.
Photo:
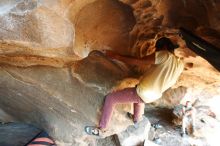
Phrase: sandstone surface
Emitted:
{"points": [[52, 78]]}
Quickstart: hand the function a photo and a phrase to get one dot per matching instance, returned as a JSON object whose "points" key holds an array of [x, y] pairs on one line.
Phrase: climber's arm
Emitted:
{"points": [[147, 60]]}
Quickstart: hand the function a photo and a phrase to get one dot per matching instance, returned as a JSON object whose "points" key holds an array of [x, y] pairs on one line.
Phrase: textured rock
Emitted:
{"points": [[171, 97], [39, 103], [49, 97], [158, 18], [149, 143], [5, 117], [206, 125], [134, 136], [17, 134], [99, 72], [35, 30], [103, 24], [43, 82], [168, 134]]}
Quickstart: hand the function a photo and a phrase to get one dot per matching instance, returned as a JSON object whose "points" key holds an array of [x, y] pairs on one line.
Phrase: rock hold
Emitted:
{"points": [[135, 136]]}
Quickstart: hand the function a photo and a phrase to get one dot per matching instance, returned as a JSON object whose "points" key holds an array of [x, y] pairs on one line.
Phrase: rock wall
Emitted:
{"points": [[103, 24], [61, 98], [51, 78], [35, 30]]}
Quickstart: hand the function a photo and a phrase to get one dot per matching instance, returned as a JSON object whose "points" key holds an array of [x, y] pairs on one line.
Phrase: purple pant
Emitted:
{"points": [[124, 96]]}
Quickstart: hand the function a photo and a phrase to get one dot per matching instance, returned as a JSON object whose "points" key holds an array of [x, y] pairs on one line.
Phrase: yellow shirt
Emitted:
{"points": [[160, 76]]}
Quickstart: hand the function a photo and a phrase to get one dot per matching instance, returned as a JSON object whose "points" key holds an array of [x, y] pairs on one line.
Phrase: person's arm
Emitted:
{"points": [[147, 60]]}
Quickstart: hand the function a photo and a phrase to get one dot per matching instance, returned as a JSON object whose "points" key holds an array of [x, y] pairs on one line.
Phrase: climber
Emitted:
{"points": [[164, 71]]}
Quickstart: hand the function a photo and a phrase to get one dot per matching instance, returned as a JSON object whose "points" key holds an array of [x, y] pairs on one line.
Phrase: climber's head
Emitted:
{"points": [[165, 43]]}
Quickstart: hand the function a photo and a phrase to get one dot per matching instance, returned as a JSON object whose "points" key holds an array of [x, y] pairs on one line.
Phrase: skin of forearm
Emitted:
{"points": [[147, 60], [130, 60]]}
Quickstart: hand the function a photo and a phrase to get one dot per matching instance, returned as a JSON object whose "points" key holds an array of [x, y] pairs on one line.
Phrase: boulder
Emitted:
{"points": [[34, 29], [103, 24], [45, 83], [62, 98], [135, 135]]}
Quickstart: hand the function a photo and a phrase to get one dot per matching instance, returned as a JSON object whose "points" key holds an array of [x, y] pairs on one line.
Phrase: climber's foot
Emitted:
{"points": [[92, 130]]}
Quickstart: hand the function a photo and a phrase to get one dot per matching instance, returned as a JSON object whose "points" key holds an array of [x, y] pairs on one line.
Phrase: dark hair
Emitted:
{"points": [[165, 42]]}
